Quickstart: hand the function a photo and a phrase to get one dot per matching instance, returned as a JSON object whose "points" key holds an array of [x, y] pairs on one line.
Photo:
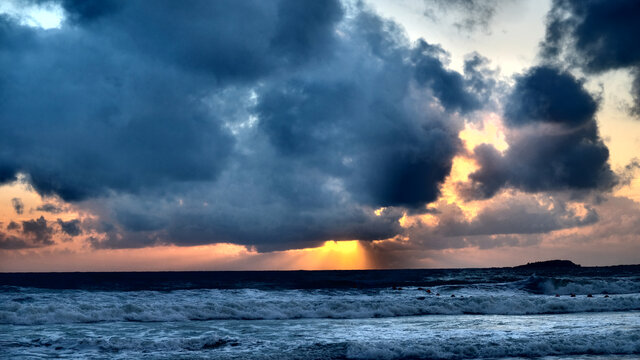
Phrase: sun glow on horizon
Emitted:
{"points": [[332, 255]]}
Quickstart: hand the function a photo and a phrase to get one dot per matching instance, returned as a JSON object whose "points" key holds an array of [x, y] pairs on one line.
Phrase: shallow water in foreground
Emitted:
{"points": [[495, 314], [438, 337]]}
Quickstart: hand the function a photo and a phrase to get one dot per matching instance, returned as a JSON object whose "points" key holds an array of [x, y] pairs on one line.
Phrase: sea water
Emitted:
{"points": [[390, 314]]}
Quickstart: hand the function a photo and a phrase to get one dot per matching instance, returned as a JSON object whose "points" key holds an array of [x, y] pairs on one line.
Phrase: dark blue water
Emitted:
{"points": [[266, 280], [557, 313]]}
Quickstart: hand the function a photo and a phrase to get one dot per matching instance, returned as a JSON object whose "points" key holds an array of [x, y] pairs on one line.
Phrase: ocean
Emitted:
{"points": [[501, 313]]}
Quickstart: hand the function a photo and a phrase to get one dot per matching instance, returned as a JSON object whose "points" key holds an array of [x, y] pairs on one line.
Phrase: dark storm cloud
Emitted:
{"points": [[349, 123], [326, 150], [38, 231], [18, 206], [236, 40], [596, 35], [447, 85], [554, 142], [545, 94], [120, 123], [79, 11], [142, 84], [71, 227], [271, 124], [7, 173]]}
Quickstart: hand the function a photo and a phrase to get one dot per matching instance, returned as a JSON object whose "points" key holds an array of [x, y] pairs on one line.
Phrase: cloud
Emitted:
{"points": [[50, 208], [35, 233], [447, 85], [145, 98], [9, 242], [472, 14], [546, 94], [274, 125], [228, 41], [71, 227], [150, 141], [511, 219], [628, 173], [13, 226], [518, 215], [512, 222], [38, 231], [481, 80], [596, 36], [553, 137], [18, 206]]}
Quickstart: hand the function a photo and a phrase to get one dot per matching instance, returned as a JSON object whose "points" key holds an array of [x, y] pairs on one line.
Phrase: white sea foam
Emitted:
{"points": [[468, 347], [566, 286], [123, 343], [440, 337], [149, 306]]}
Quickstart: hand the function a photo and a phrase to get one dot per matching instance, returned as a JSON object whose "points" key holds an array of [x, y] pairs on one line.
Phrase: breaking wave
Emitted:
{"points": [[619, 343], [461, 346], [150, 306], [118, 343], [566, 286]]}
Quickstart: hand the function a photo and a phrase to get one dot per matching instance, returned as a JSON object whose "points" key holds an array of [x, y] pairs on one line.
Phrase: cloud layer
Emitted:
{"points": [[271, 124], [275, 125]]}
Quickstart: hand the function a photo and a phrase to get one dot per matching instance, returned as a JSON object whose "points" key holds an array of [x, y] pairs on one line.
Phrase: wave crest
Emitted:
{"points": [[256, 305], [565, 286]]}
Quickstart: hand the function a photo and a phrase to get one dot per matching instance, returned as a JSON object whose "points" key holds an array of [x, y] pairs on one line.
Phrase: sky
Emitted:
{"points": [[286, 135]]}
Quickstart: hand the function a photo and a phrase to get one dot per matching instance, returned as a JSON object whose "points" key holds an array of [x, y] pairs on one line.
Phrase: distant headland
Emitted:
{"points": [[549, 264]]}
